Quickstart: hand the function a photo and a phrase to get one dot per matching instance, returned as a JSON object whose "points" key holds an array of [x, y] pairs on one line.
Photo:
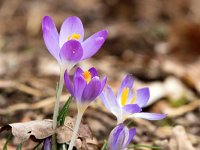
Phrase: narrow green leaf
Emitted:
{"points": [[63, 113], [19, 147], [37, 146], [7, 141], [145, 146], [105, 145]]}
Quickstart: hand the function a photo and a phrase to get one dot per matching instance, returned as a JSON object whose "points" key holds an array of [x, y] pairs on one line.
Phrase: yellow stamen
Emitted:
{"points": [[124, 96], [134, 98], [87, 76], [73, 36]]}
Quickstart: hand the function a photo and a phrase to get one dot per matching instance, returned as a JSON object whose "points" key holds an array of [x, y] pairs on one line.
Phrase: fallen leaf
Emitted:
{"points": [[64, 133], [179, 139], [40, 129]]}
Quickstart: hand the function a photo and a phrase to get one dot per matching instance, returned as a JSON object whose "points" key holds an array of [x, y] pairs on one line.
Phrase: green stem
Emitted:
{"points": [[74, 135], [56, 107], [145, 146], [58, 94]]}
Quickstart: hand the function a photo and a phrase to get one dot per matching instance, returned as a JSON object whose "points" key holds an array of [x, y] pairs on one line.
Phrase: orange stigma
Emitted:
{"points": [[87, 76], [73, 36]]}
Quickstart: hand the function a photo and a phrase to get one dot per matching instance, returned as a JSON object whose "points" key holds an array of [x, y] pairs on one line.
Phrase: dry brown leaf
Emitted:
{"points": [[64, 133], [179, 139], [40, 129]]}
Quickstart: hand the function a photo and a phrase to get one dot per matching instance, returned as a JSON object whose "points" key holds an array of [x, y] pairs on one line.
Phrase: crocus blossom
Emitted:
{"points": [[120, 137], [128, 103], [86, 85], [68, 47]]}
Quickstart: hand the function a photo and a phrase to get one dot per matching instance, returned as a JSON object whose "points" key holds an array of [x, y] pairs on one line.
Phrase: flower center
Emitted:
{"points": [[124, 96], [87, 76], [73, 36]]}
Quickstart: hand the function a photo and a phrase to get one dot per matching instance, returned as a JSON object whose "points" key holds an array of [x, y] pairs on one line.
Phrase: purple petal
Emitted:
{"points": [[71, 25], [114, 136], [103, 83], [126, 83], [150, 116], [78, 72], [79, 86], [132, 133], [68, 83], [93, 44], [47, 144], [92, 90], [142, 96], [50, 35], [93, 72], [132, 108], [71, 51]]}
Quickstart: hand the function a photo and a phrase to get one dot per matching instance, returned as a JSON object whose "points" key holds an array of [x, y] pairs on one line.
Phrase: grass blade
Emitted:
{"points": [[7, 141], [105, 145], [145, 146], [63, 113], [19, 147]]}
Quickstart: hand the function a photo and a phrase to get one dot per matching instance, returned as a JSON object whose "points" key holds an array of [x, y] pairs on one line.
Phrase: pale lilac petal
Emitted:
{"points": [[93, 72], [126, 83], [50, 35], [93, 44], [71, 51], [132, 108], [68, 83], [103, 83], [92, 90], [130, 96], [142, 96], [110, 101], [150, 116], [79, 86], [111, 97], [132, 133], [72, 25], [105, 101]]}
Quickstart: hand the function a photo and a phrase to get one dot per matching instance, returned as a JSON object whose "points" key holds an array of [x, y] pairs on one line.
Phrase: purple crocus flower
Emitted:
{"points": [[68, 47], [86, 85], [128, 103], [120, 137]]}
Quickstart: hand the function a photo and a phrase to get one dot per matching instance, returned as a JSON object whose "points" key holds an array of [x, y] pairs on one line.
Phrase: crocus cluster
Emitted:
{"points": [[69, 48]]}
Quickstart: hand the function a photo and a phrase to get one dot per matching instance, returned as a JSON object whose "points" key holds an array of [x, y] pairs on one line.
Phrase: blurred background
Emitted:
{"points": [[156, 41]]}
